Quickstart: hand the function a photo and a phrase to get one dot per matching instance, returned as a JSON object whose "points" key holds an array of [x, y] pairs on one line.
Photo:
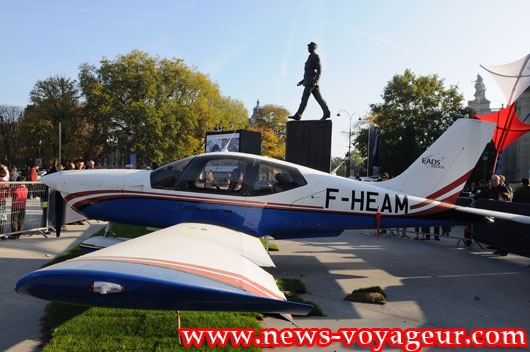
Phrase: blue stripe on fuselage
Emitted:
{"points": [[280, 223]]}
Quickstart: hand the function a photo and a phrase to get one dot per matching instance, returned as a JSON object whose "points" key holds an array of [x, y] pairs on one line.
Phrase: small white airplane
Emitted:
{"points": [[214, 206]]}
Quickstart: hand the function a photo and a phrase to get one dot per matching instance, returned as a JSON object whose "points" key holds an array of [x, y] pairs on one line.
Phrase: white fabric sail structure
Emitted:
{"points": [[513, 78]]}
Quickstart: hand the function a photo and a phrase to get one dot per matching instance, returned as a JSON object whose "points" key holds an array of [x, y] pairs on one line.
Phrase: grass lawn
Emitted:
{"points": [[291, 289], [80, 328], [272, 247]]}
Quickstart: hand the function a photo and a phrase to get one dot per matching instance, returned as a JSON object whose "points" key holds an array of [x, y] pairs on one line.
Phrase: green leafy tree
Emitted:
{"points": [[160, 109], [271, 119], [271, 145], [53, 101], [415, 111]]}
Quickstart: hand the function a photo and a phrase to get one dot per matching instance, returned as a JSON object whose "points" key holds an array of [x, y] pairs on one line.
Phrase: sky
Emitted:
{"points": [[257, 49]]}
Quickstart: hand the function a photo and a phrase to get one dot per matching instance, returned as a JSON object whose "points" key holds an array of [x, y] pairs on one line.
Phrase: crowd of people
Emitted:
{"points": [[495, 189], [20, 192], [498, 189]]}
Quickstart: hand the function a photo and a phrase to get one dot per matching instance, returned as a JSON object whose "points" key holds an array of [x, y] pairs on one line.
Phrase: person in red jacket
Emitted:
{"points": [[33, 177], [19, 195], [33, 173]]}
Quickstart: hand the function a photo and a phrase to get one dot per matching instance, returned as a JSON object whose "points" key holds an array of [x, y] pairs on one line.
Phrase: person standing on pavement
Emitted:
{"points": [[19, 195]]}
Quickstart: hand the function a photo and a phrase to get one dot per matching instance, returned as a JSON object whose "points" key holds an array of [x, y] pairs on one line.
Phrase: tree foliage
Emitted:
{"points": [[271, 145], [164, 105], [10, 144], [273, 117], [53, 101], [271, 121], [415, 111]]}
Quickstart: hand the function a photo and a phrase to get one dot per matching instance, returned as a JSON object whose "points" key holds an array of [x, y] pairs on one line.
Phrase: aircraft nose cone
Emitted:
{"points": [[51, 180]]}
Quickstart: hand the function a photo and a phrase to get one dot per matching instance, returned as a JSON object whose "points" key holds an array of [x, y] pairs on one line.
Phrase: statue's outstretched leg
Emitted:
{"points": [[322, 103]]}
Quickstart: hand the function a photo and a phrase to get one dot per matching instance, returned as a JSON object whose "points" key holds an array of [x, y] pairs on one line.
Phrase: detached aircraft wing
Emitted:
{"points": [[189, 266]]}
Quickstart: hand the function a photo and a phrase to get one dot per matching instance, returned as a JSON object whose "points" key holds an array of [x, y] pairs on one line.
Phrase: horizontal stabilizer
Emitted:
{"points": [[190, 266], [523, 219]]}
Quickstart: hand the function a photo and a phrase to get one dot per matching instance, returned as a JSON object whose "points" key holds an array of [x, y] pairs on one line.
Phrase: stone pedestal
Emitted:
{"points": [[308, 143]]}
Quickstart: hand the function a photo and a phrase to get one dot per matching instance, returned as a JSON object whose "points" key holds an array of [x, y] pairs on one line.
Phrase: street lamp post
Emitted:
{"points": [[368, 154], [112, 141], [348, 164], [129, 150]]}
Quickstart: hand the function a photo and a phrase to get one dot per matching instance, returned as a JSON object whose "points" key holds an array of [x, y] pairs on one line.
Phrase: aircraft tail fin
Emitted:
{"points": [[441, 172]]}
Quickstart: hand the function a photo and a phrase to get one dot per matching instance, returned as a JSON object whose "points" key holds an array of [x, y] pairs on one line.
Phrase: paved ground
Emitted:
{"points": [[429, 284], [19, 316]]}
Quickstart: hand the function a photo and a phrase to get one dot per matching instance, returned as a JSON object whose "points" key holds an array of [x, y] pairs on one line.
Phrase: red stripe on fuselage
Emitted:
{"points": [[451, 199], [196, 199], [451, 186], [422, 204], [251, 204]]}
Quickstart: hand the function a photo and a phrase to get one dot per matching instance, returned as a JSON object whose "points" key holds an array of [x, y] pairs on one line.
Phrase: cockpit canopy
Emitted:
{"points": [[227, 174]]}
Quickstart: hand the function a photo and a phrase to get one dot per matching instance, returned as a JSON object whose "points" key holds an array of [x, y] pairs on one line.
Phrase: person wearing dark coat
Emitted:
{"points": [[522, 195], [483, 192], [497, 187]]}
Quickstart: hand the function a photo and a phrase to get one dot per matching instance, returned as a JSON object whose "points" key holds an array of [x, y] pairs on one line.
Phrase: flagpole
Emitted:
{"points": [[503, 136], [495, 164], [506, 150]]}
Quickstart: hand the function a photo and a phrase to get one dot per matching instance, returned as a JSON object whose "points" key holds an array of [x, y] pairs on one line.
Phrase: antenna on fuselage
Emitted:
{"points": [[334, 171], [225, 148]]}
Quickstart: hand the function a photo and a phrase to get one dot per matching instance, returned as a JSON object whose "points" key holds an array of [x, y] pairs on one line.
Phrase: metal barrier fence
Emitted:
{"points": [[464, 201], [459, 233], [23, 208]]}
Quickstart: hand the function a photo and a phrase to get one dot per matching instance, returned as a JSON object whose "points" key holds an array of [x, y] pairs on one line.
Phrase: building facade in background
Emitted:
{"points": [[516, 161]]}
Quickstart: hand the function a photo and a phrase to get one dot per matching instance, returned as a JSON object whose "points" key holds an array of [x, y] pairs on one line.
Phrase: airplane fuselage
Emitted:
{"points": [[271, 197]]}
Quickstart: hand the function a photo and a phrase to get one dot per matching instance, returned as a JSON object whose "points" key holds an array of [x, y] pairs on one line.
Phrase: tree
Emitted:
{"points": [[10, 145], [271, 121], [53, 101], [414, 113], [159, 109], [273, 117], [271, 145]]}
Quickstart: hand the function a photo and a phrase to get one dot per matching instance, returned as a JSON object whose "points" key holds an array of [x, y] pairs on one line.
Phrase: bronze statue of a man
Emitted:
{"points": [[312, 72]]}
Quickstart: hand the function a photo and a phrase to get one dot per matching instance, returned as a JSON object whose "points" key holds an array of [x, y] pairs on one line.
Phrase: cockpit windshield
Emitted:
{"points": [[227, 174], [168, 176]]}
